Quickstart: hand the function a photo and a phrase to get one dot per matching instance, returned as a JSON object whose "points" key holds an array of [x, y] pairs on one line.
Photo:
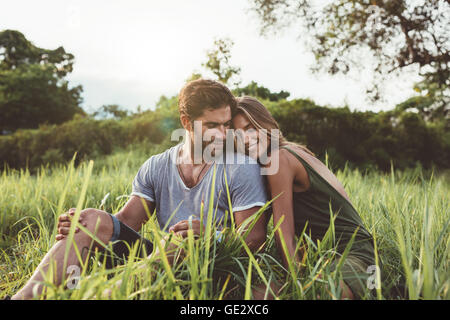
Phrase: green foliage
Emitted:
{"points": [[219, 62], [255, 90], [32, 86], [432, 103], [365, 139], [111, 111], [87, 137], [17, 51]]}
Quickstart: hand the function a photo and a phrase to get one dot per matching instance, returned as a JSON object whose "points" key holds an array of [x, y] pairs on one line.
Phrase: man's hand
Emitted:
{"points": [[64, 222], [182, 227]]}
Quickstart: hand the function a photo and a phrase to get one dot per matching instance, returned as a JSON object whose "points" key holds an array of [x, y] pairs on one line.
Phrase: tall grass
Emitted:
{"points": [[407, 213]]}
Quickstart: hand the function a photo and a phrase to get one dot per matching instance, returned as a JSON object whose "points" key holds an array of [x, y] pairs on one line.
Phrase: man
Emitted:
{"points": [[176, 178]]}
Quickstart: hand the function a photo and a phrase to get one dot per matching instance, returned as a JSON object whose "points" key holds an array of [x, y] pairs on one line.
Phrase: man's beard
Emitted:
{"points": [[213, 151], [210, 151]]}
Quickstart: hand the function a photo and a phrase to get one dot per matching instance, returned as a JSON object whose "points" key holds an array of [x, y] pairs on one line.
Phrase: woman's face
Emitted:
{"points": [[249, 137]]}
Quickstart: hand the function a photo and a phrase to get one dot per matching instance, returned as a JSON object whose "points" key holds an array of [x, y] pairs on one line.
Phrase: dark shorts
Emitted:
{"points": [[122, 240]]}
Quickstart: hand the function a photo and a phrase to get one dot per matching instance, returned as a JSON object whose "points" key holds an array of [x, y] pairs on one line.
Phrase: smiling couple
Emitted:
{"points": [[179, 180]]}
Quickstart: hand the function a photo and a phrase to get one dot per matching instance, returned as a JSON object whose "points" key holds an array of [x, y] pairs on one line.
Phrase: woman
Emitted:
{"points": [[307, 189]]}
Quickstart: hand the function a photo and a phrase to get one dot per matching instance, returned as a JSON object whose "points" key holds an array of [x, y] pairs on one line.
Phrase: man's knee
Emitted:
{"points": [[99, 224]]}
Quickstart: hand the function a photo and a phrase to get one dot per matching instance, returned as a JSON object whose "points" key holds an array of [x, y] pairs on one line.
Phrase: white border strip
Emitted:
{"points": [[256, 204], [142, 196]]}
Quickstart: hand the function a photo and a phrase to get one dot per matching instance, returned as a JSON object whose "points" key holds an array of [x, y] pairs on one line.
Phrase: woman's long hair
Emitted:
{"points": [[260, 117]]}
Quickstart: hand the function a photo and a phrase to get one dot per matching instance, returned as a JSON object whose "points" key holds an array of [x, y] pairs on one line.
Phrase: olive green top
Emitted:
{"points": [[312, 208]]}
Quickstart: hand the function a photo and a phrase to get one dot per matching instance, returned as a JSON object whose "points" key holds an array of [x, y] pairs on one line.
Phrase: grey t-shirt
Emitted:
{"points": [[159, 181]]}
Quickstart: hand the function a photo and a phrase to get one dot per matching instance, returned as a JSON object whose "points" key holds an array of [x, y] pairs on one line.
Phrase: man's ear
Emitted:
{"points": [[186, 122]]}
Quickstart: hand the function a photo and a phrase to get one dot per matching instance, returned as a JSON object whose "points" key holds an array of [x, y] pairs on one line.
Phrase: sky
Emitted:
{"points": [[131, 52]]}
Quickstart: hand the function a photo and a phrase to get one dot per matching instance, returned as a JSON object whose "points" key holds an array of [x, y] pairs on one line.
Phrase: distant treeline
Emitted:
{"points": [[360, 139], [366, 139]]}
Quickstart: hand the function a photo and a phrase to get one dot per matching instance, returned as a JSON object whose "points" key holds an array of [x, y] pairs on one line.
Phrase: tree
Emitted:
{"points": [[194, 76], [255, 90], [111, 111], [32, 86], [397, 33], [219, 61], [431, 104]]}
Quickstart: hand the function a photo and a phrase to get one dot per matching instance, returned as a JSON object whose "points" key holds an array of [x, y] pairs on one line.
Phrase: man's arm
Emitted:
{"points": [[248, 194], [257, 234], [134, 213], [255, 238]]}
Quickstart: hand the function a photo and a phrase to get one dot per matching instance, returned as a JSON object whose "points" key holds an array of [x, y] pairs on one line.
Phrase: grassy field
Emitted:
{"points": [[408, 213]]}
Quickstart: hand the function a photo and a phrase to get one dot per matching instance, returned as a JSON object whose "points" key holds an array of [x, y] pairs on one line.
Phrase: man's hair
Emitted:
{"points": [[202, 94]]}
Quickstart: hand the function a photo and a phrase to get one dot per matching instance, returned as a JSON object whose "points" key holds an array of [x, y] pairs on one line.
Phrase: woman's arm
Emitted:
{"points": [[281, 182], [257, 235]]}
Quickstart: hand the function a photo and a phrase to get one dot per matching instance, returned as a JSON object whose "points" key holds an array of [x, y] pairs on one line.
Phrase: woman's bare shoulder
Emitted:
{"points": [[284, 158], [279, 162], [321, 169], [289, 166]]}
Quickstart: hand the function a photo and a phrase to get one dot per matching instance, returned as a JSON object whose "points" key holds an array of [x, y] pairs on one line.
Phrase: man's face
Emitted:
{"points": [[212, 131]]}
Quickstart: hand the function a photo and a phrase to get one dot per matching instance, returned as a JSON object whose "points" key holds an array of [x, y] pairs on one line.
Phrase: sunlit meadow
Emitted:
{"points": [[406, 212]]}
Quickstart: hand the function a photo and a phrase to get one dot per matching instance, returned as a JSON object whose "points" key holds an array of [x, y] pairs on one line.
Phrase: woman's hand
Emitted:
{"points": [[64, 222]]}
